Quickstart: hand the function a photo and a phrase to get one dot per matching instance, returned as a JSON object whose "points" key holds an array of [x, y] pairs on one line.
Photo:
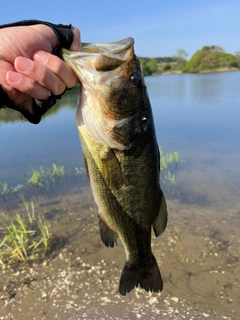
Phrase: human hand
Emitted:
{"points": [[28, 69]]}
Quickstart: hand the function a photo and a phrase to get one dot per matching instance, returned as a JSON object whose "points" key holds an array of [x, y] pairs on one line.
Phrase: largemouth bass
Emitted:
{"points": [[121, 154]]}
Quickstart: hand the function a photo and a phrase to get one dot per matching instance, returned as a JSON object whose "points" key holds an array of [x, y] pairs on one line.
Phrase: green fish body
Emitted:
{"points": [[121, 154]]}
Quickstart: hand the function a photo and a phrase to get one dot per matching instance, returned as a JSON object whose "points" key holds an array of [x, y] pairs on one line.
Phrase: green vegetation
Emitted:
{"points": [[46, 238], [21, 241], [30, 210], [50, 180], [4, 188], [38, 179], [31, 239], [57, 173], [163, 65], [211, 58], [168, 162]]}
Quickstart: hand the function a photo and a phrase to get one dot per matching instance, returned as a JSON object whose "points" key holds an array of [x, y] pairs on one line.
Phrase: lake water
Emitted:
{"points": [[195, 115]]}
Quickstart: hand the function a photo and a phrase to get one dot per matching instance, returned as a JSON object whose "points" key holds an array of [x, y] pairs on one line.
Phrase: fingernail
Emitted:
{"points": [[13, 76], [40, 57], [23, 64]]}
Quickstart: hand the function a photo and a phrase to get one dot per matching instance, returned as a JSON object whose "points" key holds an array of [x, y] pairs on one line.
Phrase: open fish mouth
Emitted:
{"points": [[104, 71], [100, 56], [117, 47]]}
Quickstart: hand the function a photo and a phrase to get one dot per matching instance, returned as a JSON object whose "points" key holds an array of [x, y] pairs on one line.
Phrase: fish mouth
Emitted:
{"points": [[117, 47], [100, 56]]}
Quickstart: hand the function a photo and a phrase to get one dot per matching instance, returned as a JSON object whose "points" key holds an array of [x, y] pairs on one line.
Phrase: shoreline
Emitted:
{"points": [[220, 70]]}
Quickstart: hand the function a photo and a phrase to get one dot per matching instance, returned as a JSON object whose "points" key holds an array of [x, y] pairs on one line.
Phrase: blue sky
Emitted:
{"points": [[158, 27]]}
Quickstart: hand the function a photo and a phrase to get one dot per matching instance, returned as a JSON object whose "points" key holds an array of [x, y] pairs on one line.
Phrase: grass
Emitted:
{"points": [[46, 235], [16, 244], [22, 241], [29, 207], [32, 239]]}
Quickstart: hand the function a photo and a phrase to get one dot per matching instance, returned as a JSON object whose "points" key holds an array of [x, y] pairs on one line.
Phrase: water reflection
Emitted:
{"points": [[68, 101]]}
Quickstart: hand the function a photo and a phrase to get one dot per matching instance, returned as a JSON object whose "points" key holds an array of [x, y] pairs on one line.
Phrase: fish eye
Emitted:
{"points": [[136, 79]]}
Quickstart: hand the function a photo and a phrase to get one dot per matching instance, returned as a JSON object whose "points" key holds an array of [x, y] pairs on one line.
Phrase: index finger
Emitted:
{"points": [[57, 66]]}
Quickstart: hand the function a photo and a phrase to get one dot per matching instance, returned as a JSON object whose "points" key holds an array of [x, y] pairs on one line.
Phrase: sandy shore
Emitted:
{"points": [[199, 265]]}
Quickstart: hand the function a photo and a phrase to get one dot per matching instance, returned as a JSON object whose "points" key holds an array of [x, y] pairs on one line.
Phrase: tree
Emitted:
{"points": [[153, 65], [213, 48], [145, 67], [181, 54], [237, 54], [180, 57], [211, 58]]}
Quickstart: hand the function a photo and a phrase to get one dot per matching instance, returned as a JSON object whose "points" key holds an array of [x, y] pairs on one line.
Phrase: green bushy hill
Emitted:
{"points": [[211, 58]]}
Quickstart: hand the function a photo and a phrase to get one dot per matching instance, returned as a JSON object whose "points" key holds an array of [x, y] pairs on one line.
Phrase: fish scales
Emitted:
{"points": [[121, 155]]}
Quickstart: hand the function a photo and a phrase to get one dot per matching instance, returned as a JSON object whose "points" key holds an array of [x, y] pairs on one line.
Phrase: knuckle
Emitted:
{"points": [[59, 88], [44, 76]]}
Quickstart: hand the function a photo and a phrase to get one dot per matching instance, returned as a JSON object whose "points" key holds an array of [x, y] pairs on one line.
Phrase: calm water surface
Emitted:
{"points": [[197, 116]]}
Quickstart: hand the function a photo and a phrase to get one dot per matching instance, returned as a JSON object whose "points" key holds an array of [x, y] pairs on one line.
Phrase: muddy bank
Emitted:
{"points": [[198, 256]]}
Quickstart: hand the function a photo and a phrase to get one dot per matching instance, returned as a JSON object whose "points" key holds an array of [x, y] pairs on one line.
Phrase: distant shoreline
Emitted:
{"points": [[220, 70]]}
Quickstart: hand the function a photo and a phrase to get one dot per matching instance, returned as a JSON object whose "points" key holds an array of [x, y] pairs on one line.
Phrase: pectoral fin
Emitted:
{"points": [[160, 223], [86, 166], [110, 168]]}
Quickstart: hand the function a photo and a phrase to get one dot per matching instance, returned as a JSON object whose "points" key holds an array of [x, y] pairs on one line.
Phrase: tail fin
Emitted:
{"points": [[147, 276]]}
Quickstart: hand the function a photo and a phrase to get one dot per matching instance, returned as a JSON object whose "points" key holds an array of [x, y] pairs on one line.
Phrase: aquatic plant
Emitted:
{"points": [[168, 159], [56, 172], [18, 188], [37, 178], [168, 162], [5, 190], [45, 179]]}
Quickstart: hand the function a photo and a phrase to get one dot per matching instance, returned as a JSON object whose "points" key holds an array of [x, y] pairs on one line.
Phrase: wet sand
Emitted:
{"points": [[198, 257]]}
